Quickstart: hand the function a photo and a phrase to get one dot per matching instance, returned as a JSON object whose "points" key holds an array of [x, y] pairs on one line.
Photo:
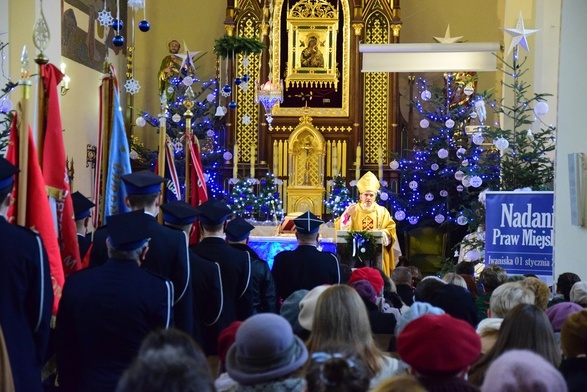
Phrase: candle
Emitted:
{"points": [[358, 163], [329, 158], [252, 161], [334, 159], [380, 163], [235, 161], [275, 157], [343, 171]]}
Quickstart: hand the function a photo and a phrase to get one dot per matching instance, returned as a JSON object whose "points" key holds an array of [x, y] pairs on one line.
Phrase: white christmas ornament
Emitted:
{"points": [[246, 119], [394, 165], [413, 220], [413, 185], [466, 181], [460, 188], [459, 175], [337, 199], [176, 118], [480, 110], [210, 97], [132, 86], [529, 133], [442, 153], [429, 196], [278, 181], [6, 105], [460, 152], [465, 162], [468, 90], [400, 215], [426, 95], [478, 138], [383, 183], [353, 183], [244, 86], [384, 196], [462, 220], [141, 122], [330, 183], [170, 89], [210, 133], [105, 18], [227, 156], [444, 193], [473, 115], [133, 155], [424, 123], [449, 123], [206, 177], [472, 255], [188, 81], [541, 108], [434, 166], [439, 218], [136, 4], [476, 181], [501, 143]]}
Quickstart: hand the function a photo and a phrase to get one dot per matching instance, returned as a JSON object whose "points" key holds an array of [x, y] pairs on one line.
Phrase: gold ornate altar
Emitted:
{"points": [[306, 162]]}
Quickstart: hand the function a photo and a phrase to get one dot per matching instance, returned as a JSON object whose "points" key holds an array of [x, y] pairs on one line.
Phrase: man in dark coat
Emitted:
{"points": [[168, 248], [106, 312], [81, 210], [235, 265], [207, 301], [305, 267], [26, 295], [262, 285]]}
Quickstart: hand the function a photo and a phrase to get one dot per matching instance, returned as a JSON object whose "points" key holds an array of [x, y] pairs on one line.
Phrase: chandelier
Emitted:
{"points": [[268, 94]]}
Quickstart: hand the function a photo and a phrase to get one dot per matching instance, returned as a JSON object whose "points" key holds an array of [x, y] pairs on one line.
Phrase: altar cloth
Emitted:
{"points": [[268, 246]]}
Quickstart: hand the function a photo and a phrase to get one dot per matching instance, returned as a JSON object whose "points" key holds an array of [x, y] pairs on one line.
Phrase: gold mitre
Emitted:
{"points": [[368, 183]]}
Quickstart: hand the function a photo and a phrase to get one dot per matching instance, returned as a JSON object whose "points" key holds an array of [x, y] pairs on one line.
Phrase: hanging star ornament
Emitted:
{"points": [[519, 35], [447, 39], [105, 18], [132, 86]]}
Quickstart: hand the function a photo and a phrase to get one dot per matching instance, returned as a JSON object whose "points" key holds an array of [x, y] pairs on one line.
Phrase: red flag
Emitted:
{"points": [[55, 172], [38, 215], [199, 192]]}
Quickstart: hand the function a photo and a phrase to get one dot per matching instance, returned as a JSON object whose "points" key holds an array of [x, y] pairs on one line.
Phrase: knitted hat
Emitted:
{"points": [[579, 293], [489, 324], [308, 306], [558, 313], [265, 349], [368, 183], [457, 302], [438, 345], [416, 310], [574, 334], [290, 309], [370, 274], [226, 339], [365, 290], [522, 370]]}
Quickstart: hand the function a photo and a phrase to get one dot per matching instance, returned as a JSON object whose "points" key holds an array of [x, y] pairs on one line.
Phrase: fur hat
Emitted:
{"points": [[370, 274], [265, 349], [522, 370], [578, 293], [365, 290], [308, 306], [558, 313], [438, 345], [574, 334]]}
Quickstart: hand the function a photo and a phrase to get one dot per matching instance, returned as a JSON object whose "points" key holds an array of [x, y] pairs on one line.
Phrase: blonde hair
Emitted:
{"points": [[456, 279], [400, 384], [508, 295], [540, 290], [341, 319]]}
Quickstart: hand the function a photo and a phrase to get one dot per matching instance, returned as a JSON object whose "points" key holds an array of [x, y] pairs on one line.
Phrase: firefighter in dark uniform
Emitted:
{"points": [[26, 295], [106, 311], [235, 265], [168, 248], [207, 293], [264, 300], [305, 267], [81, 210]]}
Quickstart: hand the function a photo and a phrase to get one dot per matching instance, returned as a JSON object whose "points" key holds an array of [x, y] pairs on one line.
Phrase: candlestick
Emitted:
{"points": [[275, 157], [334, 159], [343, 171], [235, 161], [252, 161], [358, 163], [380, 163]]}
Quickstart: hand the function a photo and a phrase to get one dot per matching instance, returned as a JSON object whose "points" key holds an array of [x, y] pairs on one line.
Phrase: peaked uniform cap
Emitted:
{"points": [[81, 205], [213, 212], [179, 213], [368, 182], [128, 231], [238, 229], [143, 182], [307, 223], [7, 172]]}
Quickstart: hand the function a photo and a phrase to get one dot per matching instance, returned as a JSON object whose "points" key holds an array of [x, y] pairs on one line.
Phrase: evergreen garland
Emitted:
{"points": [[229, 46]]}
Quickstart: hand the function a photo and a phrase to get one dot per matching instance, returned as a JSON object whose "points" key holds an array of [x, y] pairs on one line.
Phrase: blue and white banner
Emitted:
{"points": [[519, 232]]}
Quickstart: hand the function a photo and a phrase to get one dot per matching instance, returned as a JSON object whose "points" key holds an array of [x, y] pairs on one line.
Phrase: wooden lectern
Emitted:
{"points": [[341, 238]]}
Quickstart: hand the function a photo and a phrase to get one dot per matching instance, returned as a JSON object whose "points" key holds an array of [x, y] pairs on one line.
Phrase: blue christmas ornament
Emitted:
{"points": [[237, 81], [249, 208], [336, 191], [276, 195], [118, 40], [264, 208], [227, 89], [263, 182], [246, 78], [117, 24], [144, 26], [232, 105]]}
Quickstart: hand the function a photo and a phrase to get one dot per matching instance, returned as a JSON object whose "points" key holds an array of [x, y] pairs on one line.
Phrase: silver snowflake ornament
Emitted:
{"points": [[105, 18], [243, 86], [246, 119], [132, 86]]}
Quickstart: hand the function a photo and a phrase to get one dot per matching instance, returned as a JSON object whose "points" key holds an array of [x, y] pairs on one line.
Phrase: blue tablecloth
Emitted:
{"points": [[268, 247]]}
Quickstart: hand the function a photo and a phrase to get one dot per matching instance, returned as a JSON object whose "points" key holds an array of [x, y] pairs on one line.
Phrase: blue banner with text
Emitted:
{"points": [[518, 232]]}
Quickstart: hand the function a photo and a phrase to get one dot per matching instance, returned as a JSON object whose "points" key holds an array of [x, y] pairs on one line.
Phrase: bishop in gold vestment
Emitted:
{"points": [[368, 215]]}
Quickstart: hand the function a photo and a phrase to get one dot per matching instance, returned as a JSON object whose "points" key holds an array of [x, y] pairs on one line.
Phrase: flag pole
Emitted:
{"points": [[41, 37], [189, 104], [23, 140], [106, 130], [162, 139]]}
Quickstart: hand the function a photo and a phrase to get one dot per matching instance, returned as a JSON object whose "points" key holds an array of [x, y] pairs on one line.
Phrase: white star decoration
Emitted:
{"points": [[447, 39], [246, 119], [132, 86], [105, 18], [519, 35], [243, 86]]}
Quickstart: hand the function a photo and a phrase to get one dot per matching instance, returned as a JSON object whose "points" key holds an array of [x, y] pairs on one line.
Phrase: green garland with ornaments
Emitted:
{"points": [[228, 46], [361, 247]]}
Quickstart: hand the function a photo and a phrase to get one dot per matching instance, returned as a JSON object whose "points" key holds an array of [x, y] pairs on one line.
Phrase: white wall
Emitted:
{"points": [[570, 255]]}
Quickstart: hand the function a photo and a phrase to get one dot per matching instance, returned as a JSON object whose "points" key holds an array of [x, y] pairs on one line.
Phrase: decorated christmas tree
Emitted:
{"points": [[243, 200], [339, 197], [268, 201]]}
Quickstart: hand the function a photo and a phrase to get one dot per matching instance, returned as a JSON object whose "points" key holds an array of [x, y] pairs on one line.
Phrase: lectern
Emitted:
{"points": [[342, 237]]}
